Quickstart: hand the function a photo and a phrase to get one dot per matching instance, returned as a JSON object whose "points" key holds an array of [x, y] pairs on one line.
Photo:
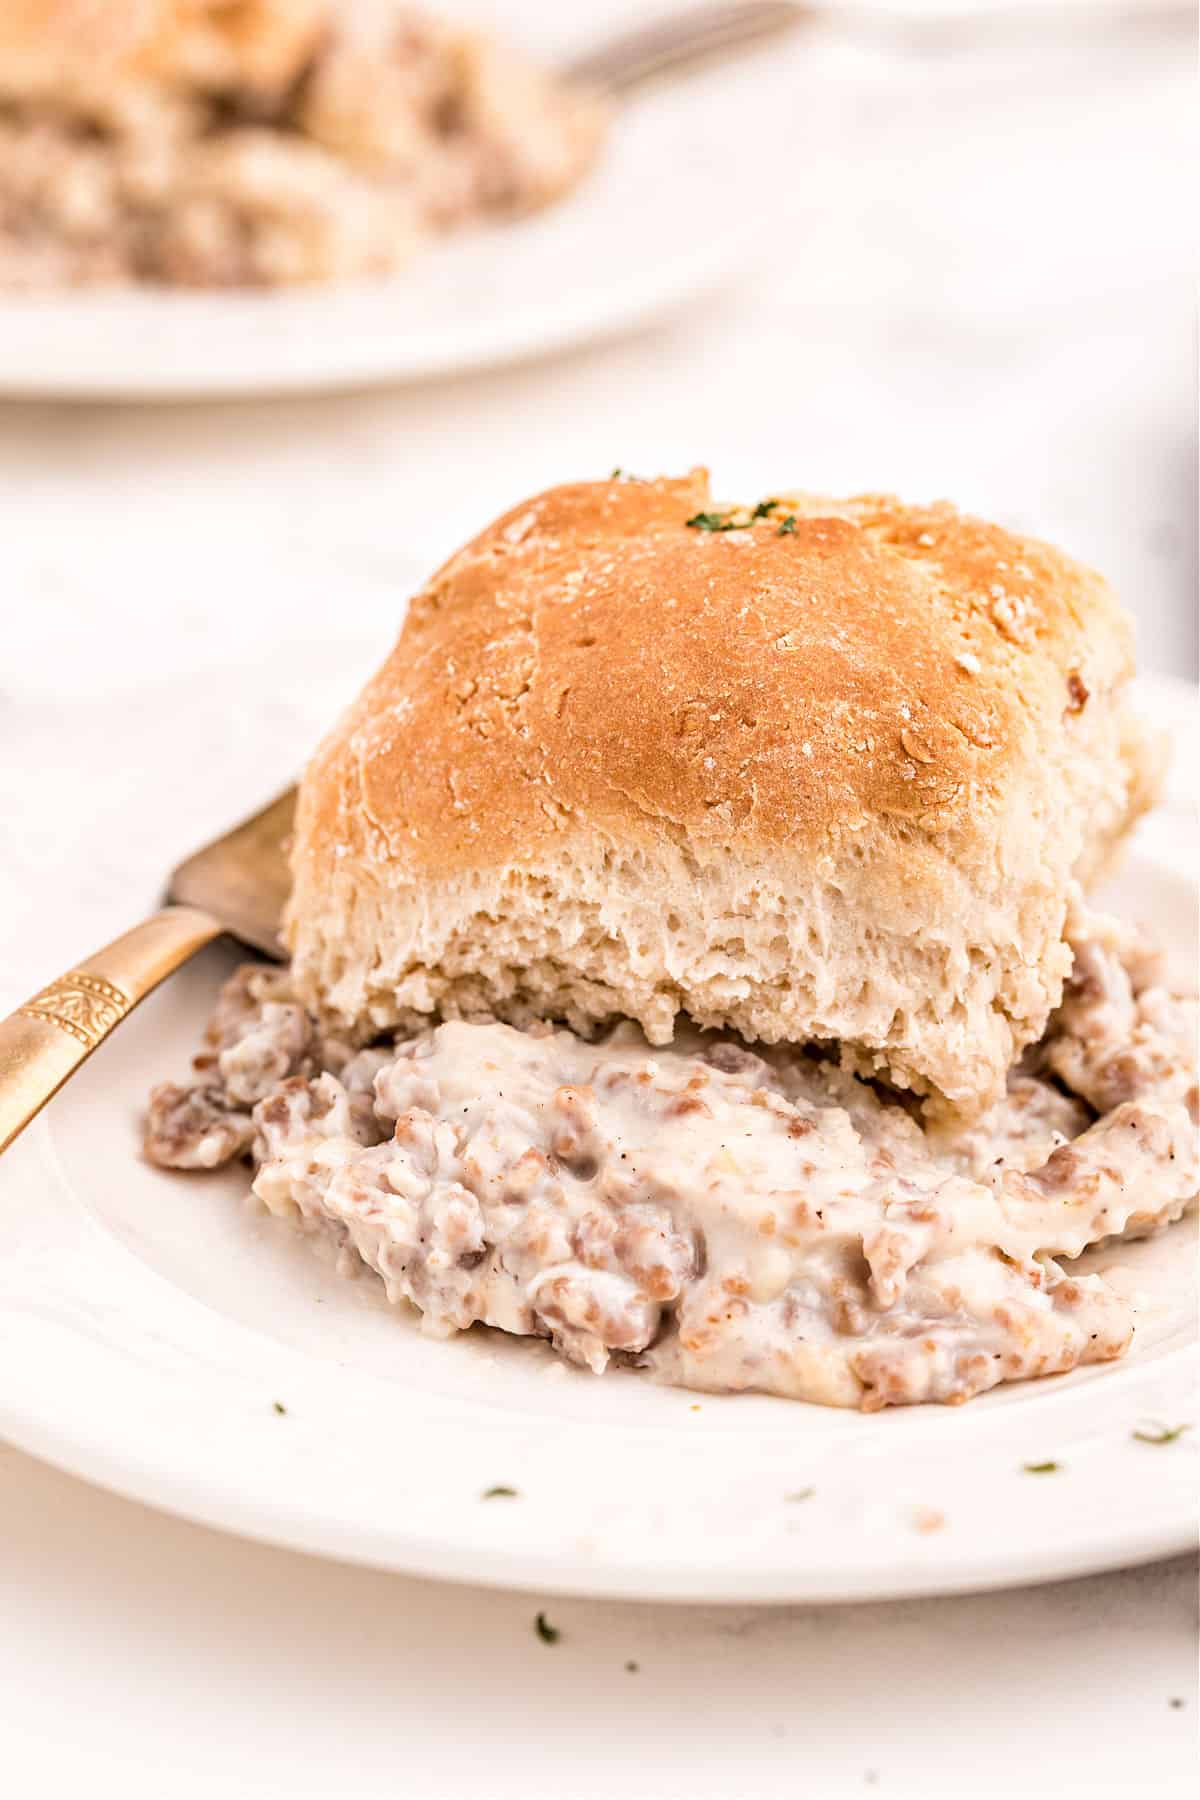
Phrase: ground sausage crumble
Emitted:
{"points": [[370, 129], [723, 1217]]}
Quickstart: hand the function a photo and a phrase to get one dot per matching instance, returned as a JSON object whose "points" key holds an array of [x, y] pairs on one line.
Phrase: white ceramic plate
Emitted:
{"points": [[686, 185], [149, 1324]]}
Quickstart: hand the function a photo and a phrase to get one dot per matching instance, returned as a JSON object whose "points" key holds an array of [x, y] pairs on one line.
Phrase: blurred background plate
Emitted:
{"points": [[689, 182]]}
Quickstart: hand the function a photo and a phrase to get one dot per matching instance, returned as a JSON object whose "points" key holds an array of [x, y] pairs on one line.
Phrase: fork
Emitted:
{"points": [[674, 42], [237, 884]]}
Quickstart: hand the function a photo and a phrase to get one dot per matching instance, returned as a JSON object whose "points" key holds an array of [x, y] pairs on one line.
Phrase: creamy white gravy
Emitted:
{"points": [[724, 1218]]}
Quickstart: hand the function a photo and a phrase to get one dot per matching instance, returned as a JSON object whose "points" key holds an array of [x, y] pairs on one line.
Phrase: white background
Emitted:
{"points": [[984, 293]]}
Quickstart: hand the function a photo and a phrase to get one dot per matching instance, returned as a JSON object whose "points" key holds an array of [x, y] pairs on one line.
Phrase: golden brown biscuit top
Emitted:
{"points": [[620, 653]]}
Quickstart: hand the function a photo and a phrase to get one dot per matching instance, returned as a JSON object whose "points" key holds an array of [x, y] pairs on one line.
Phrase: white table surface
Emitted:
{"points": [[989, 297]]}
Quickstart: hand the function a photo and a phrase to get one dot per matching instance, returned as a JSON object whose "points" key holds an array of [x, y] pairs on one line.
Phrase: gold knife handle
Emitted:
{"points": [[45, 1041]]}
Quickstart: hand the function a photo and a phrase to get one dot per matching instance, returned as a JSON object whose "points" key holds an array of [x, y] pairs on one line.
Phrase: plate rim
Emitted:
{"points": [[264, 343], [83, 1443], [529, 337], [433, 1557]]}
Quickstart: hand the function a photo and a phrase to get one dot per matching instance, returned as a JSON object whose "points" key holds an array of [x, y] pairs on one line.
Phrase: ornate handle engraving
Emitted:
{"points": [[86, 1006], [45, 1040]]}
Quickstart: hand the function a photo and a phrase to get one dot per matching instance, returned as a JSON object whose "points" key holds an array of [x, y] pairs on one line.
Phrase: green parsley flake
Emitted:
{"points": [[1042, 1468], [499, 1493], [280, 1408], [548, 1633], [739, 519], [787, 526], [1154, 1432]]}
